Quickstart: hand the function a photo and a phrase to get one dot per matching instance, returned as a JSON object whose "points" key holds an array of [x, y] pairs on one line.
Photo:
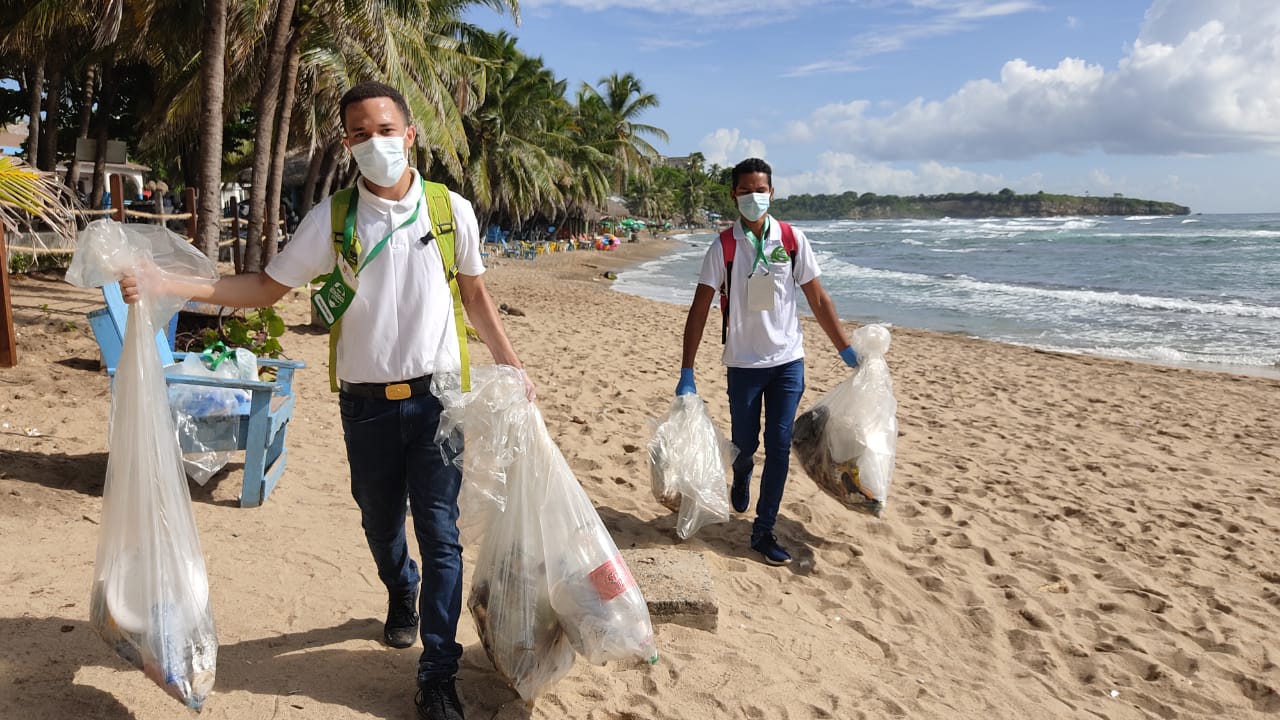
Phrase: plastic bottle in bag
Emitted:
{"points": [[599, 604]]}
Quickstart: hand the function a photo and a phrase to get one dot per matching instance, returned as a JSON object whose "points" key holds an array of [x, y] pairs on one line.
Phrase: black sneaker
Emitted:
{"points": [[401, 628], [740, 494], [439, 701], [774, 554]]}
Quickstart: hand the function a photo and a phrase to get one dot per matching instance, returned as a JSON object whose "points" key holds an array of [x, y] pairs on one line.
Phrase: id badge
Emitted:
{"points": [[335, 295], [760, 292]]}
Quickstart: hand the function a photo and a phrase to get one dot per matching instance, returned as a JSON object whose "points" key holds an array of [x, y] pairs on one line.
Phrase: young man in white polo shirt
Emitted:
{"points": [[763, 344], [398, 324]]}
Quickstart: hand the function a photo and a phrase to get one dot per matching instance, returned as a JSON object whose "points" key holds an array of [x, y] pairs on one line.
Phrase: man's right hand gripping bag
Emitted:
{"points": [[847, 440]]}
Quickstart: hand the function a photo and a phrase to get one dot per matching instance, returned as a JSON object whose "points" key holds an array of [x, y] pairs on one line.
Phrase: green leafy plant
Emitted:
{"points": [[257, 331]]}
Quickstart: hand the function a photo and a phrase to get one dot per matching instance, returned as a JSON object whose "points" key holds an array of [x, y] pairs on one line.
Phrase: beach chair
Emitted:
{"points": [[264, 417]]}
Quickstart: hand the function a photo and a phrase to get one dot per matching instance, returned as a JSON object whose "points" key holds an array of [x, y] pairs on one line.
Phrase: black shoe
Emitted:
{"points": [[439, 701], [401, 628], [767, 545], [740, 494]]}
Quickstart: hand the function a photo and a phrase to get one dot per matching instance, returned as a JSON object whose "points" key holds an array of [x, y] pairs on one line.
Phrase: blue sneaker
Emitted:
{"points": [[740, 494], [774, 554]]}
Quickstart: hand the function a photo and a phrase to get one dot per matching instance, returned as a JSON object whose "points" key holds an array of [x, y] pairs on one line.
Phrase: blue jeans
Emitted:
{"points": [[778, 389], [393, 455]]}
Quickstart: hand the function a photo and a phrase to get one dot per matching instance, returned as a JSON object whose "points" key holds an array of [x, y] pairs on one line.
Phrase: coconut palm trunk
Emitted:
{"points": [[212, 71], [52, 106], [105, 103], [37, 99], [86, 118], [288, 90], [264, 112]]}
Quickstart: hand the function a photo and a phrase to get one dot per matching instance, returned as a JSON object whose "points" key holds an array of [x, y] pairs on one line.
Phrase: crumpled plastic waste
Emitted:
{"points": [[848, 440], [549, 580], [688, 456]]}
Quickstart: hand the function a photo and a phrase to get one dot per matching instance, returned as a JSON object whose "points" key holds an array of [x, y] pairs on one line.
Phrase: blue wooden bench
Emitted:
{"points": [[263, 417]]}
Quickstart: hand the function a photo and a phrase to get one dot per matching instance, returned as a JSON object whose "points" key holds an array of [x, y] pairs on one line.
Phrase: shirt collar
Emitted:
{"points": [[764, 230], [411, 198]]}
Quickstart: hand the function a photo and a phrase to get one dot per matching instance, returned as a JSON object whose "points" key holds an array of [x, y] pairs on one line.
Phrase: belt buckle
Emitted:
{"points": [[397, 391]]}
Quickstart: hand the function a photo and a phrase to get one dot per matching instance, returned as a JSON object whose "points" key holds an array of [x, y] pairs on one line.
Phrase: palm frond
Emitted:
{"points": [[26, 192]]}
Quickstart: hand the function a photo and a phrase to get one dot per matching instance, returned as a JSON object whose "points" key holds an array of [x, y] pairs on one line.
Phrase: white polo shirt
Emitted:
{"points": [[400, 325], [766, 338]]}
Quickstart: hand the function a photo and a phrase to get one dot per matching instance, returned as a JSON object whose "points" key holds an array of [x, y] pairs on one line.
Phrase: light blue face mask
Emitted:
{"points": [[753, 206]]}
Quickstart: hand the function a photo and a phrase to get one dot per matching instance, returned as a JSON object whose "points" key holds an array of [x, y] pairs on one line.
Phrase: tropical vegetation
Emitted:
{"points": [[1006, 203], [209, 92]]}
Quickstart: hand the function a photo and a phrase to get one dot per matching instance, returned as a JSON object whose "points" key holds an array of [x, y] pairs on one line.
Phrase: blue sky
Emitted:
{"points": [[1169, 99]]}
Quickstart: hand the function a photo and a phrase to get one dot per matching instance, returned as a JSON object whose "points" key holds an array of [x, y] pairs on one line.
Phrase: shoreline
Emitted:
{"points": [[1255, 371]]}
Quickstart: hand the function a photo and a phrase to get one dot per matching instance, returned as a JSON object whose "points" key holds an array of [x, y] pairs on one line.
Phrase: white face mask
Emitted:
{"points": [[381, 159], [753, 206]]}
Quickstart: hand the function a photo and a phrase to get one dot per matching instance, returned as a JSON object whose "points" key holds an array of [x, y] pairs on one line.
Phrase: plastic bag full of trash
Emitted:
{"points": [[688, 456], [500, 505], [533, 595], [208, 418], [150, 595], [847, 441]]}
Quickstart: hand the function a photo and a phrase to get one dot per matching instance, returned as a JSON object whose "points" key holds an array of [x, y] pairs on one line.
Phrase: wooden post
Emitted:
{"points": [[8, 340], [189, 204], [117, 197]]}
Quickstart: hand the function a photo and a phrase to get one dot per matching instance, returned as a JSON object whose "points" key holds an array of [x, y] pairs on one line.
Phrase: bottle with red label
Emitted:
{"points": [[600, 607]]}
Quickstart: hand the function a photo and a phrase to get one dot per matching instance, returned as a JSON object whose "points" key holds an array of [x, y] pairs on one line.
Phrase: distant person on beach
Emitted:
{"points": [[399, 319], [763, 344]]}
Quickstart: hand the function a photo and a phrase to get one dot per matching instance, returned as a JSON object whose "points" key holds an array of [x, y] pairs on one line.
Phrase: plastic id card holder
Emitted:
{"points": [[335, 295], [760, 292]]}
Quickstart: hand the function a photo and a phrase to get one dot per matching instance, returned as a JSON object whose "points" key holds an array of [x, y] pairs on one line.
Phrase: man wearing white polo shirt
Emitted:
{"points": [[763, 344], [398, 326]]}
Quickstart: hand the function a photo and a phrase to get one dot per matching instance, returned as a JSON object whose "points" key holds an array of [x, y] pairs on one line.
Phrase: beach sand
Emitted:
{"points": [[1066, 537]]}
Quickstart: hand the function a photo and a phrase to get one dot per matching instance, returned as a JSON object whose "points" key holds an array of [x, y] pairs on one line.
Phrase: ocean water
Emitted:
{"points": [[1199, 291]]}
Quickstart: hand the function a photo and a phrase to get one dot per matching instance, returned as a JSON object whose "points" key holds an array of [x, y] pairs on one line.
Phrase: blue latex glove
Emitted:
{"points": [[686, 386], [849, 357]]}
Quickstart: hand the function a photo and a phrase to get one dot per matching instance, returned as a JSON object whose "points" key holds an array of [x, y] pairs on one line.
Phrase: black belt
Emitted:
{"points": [[388, 391]]}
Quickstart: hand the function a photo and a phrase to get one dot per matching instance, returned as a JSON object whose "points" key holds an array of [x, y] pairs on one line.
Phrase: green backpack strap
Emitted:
{"points": [[346, 244], [440, 208]]}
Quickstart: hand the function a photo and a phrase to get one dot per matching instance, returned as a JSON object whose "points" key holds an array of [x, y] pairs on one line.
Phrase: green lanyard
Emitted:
{"points": [[349, 230], [758, 244]]}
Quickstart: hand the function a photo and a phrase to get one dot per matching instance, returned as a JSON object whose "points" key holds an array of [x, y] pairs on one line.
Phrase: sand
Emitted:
{"points": [[1066, 537]]}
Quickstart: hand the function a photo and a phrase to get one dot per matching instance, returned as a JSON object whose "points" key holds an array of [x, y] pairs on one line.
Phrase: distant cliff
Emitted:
{"points": [[1006, 203]]}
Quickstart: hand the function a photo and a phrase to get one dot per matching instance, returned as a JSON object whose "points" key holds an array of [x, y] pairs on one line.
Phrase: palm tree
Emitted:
{"points": [[513, 135], [213, 50], [611, 115]]}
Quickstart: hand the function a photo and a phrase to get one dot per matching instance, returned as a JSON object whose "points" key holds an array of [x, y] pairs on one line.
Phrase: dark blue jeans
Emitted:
{"points": [[778, 389], [393, 455]]}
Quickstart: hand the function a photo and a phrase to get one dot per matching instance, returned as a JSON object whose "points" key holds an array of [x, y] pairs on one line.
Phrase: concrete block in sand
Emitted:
{"points": [[676, 585]]}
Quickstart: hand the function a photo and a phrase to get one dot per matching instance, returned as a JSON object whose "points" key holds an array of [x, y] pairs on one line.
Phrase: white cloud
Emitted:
{"points": [[1200, 78], [727, 147], [839, 172], [942, 17]]}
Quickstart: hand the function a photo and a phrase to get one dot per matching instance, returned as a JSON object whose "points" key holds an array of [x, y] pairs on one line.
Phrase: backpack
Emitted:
{"points": [[729, 247], [440, 209]]}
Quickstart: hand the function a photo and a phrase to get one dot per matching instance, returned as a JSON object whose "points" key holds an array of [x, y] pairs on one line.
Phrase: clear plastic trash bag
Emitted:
{"points": [[107, 250], [534, 596], [209, 417], [688, 456], [500, 505], [150, 595], [847, 441]]}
